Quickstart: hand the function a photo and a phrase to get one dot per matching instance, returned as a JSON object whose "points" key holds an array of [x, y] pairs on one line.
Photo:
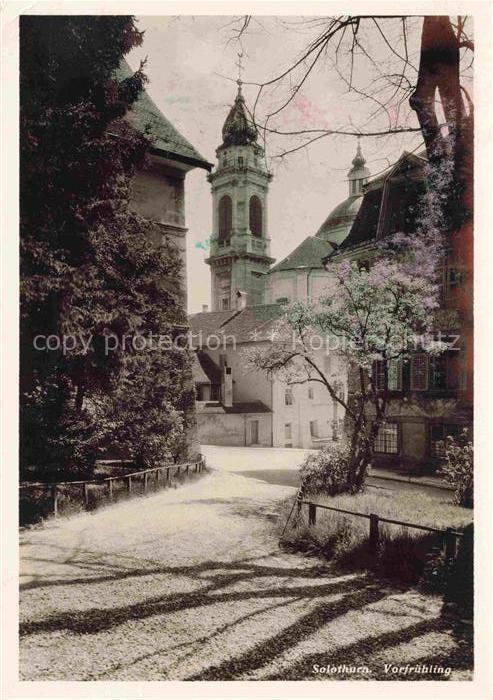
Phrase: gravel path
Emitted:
{"points": [[189, 584]]}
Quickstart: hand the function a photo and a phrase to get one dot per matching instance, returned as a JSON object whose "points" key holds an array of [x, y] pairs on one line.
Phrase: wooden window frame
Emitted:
{"points": [[398, 439]]}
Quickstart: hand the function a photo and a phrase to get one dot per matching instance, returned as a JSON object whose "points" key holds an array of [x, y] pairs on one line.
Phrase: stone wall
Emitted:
{"points": [[233, 429]]}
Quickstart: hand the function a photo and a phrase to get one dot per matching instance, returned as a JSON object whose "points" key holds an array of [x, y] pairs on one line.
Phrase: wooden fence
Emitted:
{"points": [[449, 536], [38, 500]]}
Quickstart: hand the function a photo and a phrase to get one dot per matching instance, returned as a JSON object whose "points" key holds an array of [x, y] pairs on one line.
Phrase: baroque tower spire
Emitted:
{"points": [[240, 246]]}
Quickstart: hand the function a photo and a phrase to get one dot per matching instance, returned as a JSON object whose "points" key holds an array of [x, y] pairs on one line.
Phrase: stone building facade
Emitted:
{"points": [[430, 397]]}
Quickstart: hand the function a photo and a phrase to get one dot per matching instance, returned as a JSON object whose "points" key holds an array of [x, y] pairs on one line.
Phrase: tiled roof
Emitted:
{"points": [[209, 322], [254, 323], [148, 119], [308, 254]]}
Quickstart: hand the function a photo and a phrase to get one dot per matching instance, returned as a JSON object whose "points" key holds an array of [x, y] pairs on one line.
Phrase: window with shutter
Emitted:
{"points": [[379, 375], [395, 375], [419, 372]]}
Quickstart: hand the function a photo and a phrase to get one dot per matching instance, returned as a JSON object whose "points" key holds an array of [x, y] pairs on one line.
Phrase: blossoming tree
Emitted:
{"points": [[367, 316]]}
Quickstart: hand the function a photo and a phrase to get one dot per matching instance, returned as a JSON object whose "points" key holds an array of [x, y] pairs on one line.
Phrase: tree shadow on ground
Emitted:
{"points": [[95, 620]]}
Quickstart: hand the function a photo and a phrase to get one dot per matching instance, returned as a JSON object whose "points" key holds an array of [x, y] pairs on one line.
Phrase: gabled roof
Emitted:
{"points": [[308, 254], [148, 119], [208, 367], [199, 376]]}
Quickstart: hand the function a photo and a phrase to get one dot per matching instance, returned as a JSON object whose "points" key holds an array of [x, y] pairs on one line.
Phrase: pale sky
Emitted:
{"points": [[191, 70]]}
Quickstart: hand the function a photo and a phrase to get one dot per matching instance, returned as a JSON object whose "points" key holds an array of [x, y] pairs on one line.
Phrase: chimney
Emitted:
{"points": [[228, 387], [205, 308], [241, 299]]}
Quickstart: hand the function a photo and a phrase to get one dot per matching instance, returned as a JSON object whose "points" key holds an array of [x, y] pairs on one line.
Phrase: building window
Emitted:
{"points": [[225, 217], [419, 372], [379, 375], [287, 431], [387, 440], [288, 397], [255, 215], [438, 433], [395, 375], [310, 392], [240, 161], [225, 304], [282, 300], [313, 429]]}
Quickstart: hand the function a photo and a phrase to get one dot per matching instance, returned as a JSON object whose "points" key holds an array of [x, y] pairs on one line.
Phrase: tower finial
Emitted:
{"points": [[239, 65]]}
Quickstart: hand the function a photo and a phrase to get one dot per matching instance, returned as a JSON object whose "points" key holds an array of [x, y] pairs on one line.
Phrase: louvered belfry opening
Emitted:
{"points": [[225, 217], [255, 216]]}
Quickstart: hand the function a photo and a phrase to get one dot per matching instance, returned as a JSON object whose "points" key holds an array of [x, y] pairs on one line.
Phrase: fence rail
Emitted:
{"points": [[449, 536], [92, 492]]}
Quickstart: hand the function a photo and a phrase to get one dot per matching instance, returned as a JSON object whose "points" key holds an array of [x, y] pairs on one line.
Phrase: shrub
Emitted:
{"points": [[458, 468], [327, 470]]}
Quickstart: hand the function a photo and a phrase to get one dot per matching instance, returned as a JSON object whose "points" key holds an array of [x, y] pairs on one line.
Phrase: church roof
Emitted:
{"points": [[343, 213], [148, 119], [308, 254], [254, 323], [238, 129], [389, 205]]}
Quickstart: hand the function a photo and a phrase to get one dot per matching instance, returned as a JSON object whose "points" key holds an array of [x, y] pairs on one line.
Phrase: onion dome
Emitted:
{"points": [[238, 129], [358, 174]]}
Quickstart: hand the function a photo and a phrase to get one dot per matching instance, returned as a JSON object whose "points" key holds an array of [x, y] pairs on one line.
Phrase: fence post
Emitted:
{"points": [[178, 470], [129, 484], [86, 496], [110, 489], [188, 468], [145, 482], [167, 474], [312, 514], [374, 534], [158, 476], [54, 493], [450, 544]]}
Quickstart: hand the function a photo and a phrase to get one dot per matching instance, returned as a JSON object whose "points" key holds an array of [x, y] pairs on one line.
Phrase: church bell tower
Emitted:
{"points": [[240, 246]]}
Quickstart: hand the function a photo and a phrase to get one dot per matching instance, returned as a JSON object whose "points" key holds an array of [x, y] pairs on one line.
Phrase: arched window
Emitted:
{"points": [[225, 217], [255, 215]]}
